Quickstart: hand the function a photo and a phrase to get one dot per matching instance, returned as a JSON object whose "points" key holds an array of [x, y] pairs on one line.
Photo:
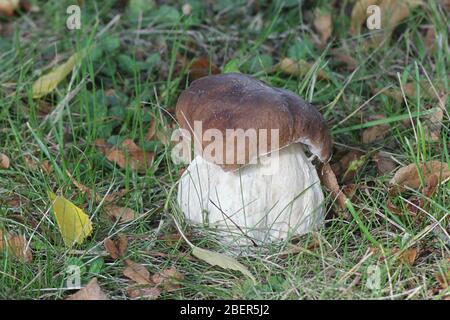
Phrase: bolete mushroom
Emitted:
{"points": [[263, 187]]}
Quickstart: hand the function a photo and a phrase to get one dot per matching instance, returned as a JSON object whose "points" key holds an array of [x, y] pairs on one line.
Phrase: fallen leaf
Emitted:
{"points": [[137, 159], [4, 161], [202, 67], [323, 25], [151, 130], [409, 176], [46, 167], [17, 247], [47, 83], [393, 12], [123, 214], [102, 145], [144, 293], [329, 180], [443, 279], [168, 278], [348, 61], [348, 165], [384, 163], [221, 260], [116, 248], [430, 41], [73, 223], [298, 68], [375, 133], [136, 272], [91, 291], [8, 7], [409, 256]]}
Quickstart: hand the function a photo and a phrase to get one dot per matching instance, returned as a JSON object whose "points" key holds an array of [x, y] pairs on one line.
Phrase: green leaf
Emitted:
{"points": [[259, 63], [301, 50], [110, 44], [231, 66]]}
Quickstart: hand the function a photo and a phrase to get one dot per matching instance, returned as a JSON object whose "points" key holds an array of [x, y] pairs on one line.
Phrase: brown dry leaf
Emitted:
{"points": [[443, 279], [137, 272], [167, 277], [323, 25], [111, 248], [298, 68], [348, 61], [329, 180], [359, 14], [91, 291], [163, 136], [393, 12], [347, 166], [8, 7], [409, 256], [4, 161], [144, 293], [409, 177], [138, 159], [102, 145], [117, 156], [113, 196], [374, 133], [151, 130], [384, 163], [17, 247], [430, 40], [46, 167], [116, 248], [202, 67], [123, 213]]}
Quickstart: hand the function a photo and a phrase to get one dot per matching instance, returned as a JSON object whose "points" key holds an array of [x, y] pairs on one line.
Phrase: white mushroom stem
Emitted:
{"points": [[267, 201]]}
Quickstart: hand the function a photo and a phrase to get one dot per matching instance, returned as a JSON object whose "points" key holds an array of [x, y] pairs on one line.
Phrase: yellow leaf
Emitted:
{"points": [[47, 83], [221, 260], [299, 68], [73, 223]]}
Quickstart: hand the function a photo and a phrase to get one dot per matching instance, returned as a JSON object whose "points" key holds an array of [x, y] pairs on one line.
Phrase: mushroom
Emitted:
{"points": [[261, 190]]}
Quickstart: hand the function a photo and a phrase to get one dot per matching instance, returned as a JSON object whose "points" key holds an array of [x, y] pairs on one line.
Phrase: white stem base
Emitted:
{"points": [[268, 202]]}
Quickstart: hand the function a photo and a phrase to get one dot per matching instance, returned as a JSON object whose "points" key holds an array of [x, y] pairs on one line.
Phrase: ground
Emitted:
{"points": [[138, 58]]}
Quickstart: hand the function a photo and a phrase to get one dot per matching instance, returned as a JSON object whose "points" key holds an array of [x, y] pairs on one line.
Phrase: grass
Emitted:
{"points": [[136, 73]]}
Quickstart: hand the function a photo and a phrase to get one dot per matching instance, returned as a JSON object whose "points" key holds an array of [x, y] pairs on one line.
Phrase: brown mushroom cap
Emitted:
{"points": [[237, 101]]}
